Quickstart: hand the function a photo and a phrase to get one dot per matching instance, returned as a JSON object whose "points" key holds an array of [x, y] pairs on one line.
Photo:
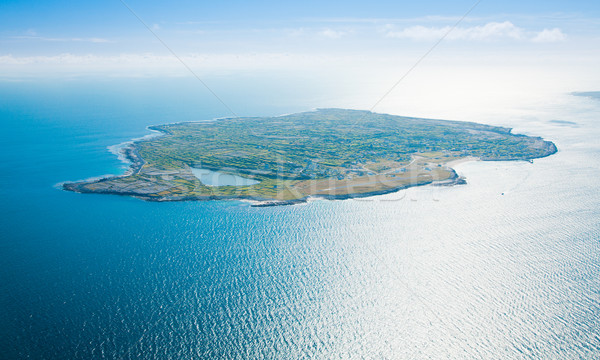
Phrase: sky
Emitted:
{"points": [[516, 47]]}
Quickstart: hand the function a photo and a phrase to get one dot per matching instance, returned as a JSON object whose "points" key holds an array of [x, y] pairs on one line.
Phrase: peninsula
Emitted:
{"points": [[327, 153]]}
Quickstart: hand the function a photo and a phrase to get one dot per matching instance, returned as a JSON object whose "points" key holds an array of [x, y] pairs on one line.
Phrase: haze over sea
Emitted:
{"points": [[507, 266]]}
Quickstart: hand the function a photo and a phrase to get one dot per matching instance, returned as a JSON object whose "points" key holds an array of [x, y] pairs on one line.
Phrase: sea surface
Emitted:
{"points": [[505, 267]]}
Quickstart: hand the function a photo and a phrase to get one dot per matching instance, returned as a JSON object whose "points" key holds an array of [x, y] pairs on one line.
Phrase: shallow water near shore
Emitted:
{"points": [[506, 266]]}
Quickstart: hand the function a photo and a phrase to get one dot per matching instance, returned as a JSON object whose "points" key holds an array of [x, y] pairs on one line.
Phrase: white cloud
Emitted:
{"points": [[43, 38], [131, 64], [296, 32], [489, 31], [98, 40], [312, 32], [418, 33], [550, 35], [332, 34]]}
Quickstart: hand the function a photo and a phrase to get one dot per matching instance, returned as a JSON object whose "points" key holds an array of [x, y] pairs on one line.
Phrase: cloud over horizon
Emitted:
{"points": [[332, 34], [490, 31], [63, 39], [550, 35]]}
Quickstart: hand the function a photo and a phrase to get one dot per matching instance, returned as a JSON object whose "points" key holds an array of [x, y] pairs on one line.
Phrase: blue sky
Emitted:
{"points": [[111, 16], [25, 25], [501, 47]]}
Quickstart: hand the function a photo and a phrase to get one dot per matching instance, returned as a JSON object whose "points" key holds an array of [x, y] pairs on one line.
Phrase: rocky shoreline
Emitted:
{"points": [[137, 162], [167, 172], [132, 155]]}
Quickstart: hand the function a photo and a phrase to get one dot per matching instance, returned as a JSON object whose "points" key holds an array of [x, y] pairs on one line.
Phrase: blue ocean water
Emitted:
{"points": [[507, 266]]}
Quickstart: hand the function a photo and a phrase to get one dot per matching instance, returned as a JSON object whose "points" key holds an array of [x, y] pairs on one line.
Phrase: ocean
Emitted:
{"points": [[506, 266]]}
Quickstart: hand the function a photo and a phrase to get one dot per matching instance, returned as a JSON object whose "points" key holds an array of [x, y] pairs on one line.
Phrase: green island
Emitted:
{"points": [[327, 153]]}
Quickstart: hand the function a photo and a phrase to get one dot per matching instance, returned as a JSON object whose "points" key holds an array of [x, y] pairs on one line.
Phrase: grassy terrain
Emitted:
{"points": [[329, 152]]}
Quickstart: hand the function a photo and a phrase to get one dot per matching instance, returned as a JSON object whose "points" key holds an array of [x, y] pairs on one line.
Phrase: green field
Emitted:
{"points": [[328, 152]]}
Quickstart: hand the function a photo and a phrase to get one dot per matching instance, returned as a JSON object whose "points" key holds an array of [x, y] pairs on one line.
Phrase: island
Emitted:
{"points": [[326, 153]]}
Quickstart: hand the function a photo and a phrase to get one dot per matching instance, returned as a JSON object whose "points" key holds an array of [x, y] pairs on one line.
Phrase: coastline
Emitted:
{"points": [[137, 162], [127, 153], [158, 184]]}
